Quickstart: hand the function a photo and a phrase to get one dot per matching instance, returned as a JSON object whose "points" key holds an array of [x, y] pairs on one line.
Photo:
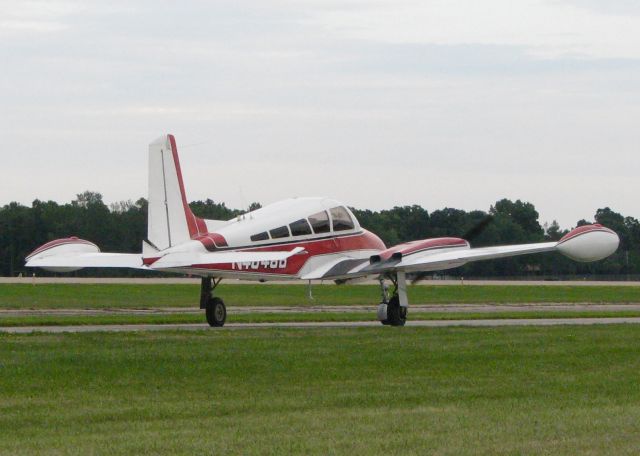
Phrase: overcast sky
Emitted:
{"points": [[375, 103]]}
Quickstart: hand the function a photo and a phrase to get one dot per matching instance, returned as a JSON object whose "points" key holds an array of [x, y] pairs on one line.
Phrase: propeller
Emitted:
{"points": [[470, 235], [478, 228]]}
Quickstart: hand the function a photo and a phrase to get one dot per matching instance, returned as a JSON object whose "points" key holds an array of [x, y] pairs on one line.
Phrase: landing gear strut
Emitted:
{"points": [[214, 307], [393, 311]]}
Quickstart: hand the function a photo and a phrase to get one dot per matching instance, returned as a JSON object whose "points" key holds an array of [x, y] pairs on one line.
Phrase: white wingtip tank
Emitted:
{"points": [[58, 247], [589, 243]]}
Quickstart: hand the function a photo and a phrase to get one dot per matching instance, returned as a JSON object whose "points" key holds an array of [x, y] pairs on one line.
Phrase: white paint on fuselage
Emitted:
{"points": [[238, 231], [318, 265]]}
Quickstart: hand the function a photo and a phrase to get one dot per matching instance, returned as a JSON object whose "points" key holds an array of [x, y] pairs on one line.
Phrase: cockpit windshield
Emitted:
{"points": [[335, 219], [341, 219], [320, 222]]}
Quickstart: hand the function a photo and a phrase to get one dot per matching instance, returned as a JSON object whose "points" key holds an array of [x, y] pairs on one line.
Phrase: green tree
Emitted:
{"points": [[618, 263], [521, 213], [121, 226], [209, 209]]}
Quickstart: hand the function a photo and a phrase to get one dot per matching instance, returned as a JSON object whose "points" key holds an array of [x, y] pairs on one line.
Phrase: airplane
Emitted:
{"points": [[304, 239]]}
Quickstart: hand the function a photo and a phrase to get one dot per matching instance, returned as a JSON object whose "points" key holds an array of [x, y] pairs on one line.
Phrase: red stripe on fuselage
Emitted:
{"points": [[362, 241], [200, 224], [212, 241]]}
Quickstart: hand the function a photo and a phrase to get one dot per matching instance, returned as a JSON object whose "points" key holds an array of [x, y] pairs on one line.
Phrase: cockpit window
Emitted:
{"points": [[320, 222], [341, 219], [281, 232], [300, 228], [260, 237]]}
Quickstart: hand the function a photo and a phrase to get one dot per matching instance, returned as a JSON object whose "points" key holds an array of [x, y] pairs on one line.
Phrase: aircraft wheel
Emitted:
{"points": [[396, 314], [216, 312], [382, 313]]}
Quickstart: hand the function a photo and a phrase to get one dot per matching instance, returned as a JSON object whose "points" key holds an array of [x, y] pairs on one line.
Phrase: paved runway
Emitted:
{"points": [[308, 325], [424, 308]]}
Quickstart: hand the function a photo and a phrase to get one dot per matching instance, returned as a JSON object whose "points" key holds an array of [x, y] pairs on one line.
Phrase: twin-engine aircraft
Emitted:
{"points": [[295, 239]]}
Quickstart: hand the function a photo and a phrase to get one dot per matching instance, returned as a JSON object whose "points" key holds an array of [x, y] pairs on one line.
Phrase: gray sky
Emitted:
{"points": [[375, 103]]}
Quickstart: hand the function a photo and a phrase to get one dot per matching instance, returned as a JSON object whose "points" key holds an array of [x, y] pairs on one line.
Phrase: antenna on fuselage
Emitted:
{"points": [[310, 292], [243, 201]]}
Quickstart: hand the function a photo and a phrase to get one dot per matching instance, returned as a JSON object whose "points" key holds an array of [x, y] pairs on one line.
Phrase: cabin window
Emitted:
{"points": [[260, 237], [281, 232], [341, 219], [320, 222], [300, 228]]}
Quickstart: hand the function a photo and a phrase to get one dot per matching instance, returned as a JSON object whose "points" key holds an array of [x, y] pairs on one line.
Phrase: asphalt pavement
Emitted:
{"points": [[314, 325]]}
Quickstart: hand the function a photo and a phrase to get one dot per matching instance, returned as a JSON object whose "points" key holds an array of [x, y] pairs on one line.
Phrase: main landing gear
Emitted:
{"points": [[393, 311], [214, 307]]}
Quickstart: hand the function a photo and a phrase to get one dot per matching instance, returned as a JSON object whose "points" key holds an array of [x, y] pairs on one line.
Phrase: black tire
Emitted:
{"points": [[216, 312], [396, 314]]}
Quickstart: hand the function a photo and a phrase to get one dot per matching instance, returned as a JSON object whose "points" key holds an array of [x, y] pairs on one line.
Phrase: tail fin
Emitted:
{"points": [[170, 220]]}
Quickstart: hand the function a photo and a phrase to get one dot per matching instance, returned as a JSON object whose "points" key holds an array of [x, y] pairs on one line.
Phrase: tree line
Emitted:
{"points": [[120, 227]]}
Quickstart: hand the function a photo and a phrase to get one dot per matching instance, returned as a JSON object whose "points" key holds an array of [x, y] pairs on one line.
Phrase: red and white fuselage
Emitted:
{"points": [[325, 231]]}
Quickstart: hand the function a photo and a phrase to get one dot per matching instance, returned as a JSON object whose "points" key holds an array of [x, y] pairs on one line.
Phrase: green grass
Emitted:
{"points": [[19, 296], [68, 320], [446, 391]]}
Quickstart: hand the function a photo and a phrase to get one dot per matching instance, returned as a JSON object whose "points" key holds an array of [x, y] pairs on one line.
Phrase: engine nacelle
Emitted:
{"points": [[399, 251], [62, 247], [589, 243]]}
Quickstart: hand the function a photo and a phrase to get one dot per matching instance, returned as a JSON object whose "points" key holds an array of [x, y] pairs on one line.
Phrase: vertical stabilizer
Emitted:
{"points": [[170, 220]]}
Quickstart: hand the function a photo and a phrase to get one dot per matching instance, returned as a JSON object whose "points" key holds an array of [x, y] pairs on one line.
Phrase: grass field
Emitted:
{"points": [[559, 390], [20, 296]]}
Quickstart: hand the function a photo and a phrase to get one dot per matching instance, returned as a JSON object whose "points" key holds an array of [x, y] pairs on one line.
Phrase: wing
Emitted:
{"points": [[73, 261], [458, 257], [584, 244], [188, 259], [428, 260], [70, 254]]}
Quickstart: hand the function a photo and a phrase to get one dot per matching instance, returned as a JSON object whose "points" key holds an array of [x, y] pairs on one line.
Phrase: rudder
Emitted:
{"points": [[170, 220]]}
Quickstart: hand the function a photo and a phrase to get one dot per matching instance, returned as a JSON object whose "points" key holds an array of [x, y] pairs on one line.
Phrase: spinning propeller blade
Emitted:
{"points": [[470, 235], [478, 229]]}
